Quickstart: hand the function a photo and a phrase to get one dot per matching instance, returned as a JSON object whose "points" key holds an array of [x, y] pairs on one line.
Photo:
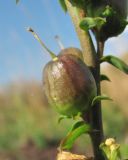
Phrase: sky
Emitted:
{"points": [[21, 56]]}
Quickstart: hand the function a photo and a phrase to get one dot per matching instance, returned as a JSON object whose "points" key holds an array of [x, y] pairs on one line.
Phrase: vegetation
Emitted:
{"points": [[104, 19], [24, 115]]}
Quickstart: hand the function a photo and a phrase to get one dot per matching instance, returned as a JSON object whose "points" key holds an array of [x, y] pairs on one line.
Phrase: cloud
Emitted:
{"points": [[126, 29], [118, 45]]}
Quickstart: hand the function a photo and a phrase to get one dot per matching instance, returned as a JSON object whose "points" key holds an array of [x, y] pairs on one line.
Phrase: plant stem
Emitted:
{"points": [[93, 61], [87, 46], [96, 113], [100, 48]]}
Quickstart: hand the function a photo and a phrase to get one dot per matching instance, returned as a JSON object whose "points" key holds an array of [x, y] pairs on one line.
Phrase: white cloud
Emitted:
{"points": [[118, 45]]}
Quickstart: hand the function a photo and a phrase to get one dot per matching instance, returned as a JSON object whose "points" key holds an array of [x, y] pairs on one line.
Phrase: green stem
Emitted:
{"points": [[96, 113]]}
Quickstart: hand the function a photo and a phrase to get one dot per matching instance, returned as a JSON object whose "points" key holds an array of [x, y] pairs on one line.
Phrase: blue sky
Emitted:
{"points": [[21, 56]]}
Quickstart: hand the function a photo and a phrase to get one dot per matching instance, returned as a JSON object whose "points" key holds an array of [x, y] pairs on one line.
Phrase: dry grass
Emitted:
{"points": [[25, 114]]}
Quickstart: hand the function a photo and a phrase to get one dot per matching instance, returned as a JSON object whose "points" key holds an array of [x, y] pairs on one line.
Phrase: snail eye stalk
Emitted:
{"points": [[57, 38], [29, 29]]}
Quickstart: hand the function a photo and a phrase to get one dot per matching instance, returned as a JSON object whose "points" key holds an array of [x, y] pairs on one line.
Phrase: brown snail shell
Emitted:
{"points": [[68, 85], [72, 51]]}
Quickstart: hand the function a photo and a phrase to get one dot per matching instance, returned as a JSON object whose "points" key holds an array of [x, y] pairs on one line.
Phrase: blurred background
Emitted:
{"points": [[28, 127]]}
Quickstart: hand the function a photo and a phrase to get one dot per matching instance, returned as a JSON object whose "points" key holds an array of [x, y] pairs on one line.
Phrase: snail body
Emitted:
{"points": [[69, 85]]}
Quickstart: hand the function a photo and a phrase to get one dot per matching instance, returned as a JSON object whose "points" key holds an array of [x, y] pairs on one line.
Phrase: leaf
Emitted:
{"points": [[17, 1], [63, 5], [99, 98], [115, 152], [79, 128], [76, 125], [60, 119], [103, 77], [89, 23], [114, 155], [116, 62], [111, 152], [108, 12], [105, 150], [63, 117]]}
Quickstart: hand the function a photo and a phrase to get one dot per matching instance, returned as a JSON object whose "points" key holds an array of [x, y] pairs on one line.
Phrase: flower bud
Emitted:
{"points": [[110, 141], [114, 147], [120, 6]]}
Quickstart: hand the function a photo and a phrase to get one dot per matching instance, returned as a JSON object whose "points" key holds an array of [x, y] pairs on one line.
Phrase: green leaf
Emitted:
{"points": [[17, 1], [115, 153], [60, 119], [105, 150], [76, 125], [89, 23], [103, 77], [109, 152], [63, 117], [99, 98], [116, 62], [109, 11], [79, 128], [63, 5]]}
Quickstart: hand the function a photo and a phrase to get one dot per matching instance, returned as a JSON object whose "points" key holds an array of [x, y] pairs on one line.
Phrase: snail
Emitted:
{"points": [[68, 83]]}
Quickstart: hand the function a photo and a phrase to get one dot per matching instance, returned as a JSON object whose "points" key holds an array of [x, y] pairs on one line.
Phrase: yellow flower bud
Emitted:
{"points": [[110, 141], [114, 147]]}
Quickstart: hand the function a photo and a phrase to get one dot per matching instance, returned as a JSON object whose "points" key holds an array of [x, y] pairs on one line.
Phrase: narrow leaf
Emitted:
{"points": [[115, 152], [103, 77], [105, 151], [60, 119], [99, 98], [116, 62], [76, 125], [63, 5], [63, 117], [89, 23], [79, 128], [114, 155]]}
